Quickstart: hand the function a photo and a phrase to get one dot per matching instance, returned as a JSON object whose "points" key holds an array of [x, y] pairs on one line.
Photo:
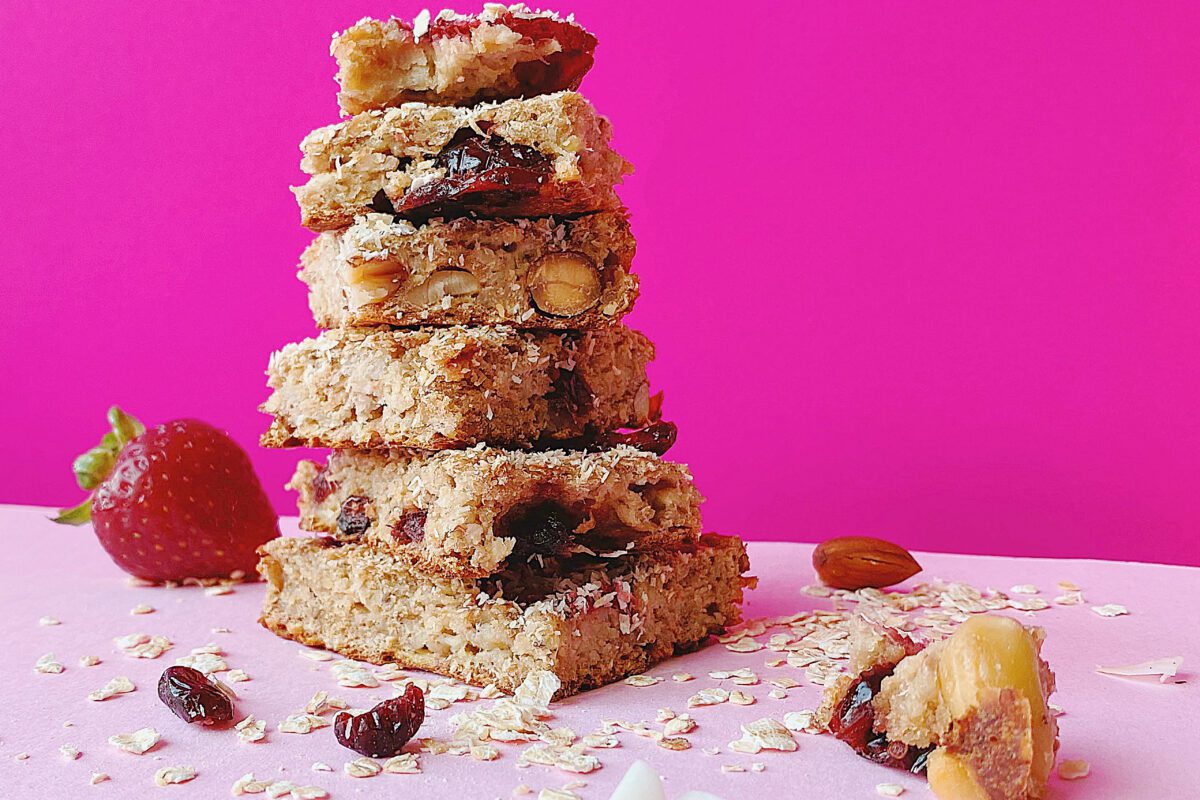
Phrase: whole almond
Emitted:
{"points": [[858, 562]]}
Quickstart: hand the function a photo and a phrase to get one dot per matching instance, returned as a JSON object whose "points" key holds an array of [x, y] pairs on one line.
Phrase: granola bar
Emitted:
{"points": [[540, 273], [441, 388], [520, 158], [456, 59], [468, 512], [590, 624]]}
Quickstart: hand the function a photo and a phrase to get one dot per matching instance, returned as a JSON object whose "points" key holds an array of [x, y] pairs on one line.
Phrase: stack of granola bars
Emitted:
{"points": [[495, 502]]}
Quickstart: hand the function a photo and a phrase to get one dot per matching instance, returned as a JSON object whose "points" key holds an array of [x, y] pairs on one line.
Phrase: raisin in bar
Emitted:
{"points": [[466, 512], [442, 388], [521, 158], [456, 59], [540, 273], [590, 624]]}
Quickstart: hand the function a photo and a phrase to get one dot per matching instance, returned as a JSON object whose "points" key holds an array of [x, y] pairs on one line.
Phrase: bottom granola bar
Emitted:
{"points": [[590, 625]]}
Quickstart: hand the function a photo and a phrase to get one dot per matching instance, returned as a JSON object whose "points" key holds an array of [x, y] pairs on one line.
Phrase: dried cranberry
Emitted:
{"points": [[322, 487], [193, 697], [352, 518], [572, 392], [482, 173], [384, 730], [656, 438], [853, 722], [410, 527], [543, 528]]}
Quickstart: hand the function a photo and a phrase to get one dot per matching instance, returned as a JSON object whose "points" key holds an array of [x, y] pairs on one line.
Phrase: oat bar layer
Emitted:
{"points": [[468, 512], [521, 158], [589, 626], [456, 59], [443, 388], [564, 274]]}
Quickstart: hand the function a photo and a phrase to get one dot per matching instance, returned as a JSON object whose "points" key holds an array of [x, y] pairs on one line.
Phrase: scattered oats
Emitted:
{"points": [[764, 734], [118, 685], [681, 724], [1111, 610], [708, 697], [739, 698], [777, 694], [279, 789], [1070, 599], [237, 676], [521, 789], [98, 777], [251, 729], [69, 752], [1032, 604], [353, 675], [403, 764], [757, 766], [48, 664], [22, 756], [321, 766], [317, 655], [895, 789], [601, 741], [49, 621], [1056, 711], [1021, 588], [138, 742], [208, 663], [674, 743], [219, 589], [362, 768], [390, 672], [732, 768], [169, 775], [744, 646], [1069, 586], [212, 648], [221, 630], [309, 793], [642, 680], [683, 677], [665, 714], [484, 752], [248, 784], [490, 692], [89, 661], [322, 703], [302, 723], [1164, 668], [557, 794], [1073, 769], [801, 721], [710, 751], [776, 662], [141, 608], [140, 645]]}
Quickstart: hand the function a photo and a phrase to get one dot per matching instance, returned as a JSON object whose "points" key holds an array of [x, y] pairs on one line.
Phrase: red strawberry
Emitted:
{"points": [[180, 500]]}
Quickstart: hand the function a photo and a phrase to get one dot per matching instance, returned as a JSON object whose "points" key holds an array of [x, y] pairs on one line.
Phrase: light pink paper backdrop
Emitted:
{"points": [[926, 271]]}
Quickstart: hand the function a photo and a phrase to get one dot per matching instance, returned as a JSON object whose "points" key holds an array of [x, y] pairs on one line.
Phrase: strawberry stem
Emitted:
{"points": [[93, 467]]}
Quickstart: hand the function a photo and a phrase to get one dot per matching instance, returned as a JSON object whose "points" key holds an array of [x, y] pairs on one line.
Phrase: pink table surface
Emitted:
{"points": [[1138, 735]]}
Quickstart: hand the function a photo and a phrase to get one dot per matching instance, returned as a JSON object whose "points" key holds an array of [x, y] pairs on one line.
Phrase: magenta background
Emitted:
{"points": [[926, 271]]}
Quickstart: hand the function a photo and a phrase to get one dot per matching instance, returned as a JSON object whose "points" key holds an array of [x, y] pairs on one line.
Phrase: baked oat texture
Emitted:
{"points": [[589, 627], [463, 511], [453, 59], [394, 151], [385, 271], [444, 388]]}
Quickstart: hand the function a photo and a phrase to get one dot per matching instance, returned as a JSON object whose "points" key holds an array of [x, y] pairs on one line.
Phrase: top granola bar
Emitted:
{"points": [[456, 59]]}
